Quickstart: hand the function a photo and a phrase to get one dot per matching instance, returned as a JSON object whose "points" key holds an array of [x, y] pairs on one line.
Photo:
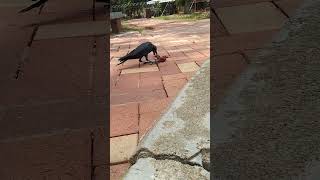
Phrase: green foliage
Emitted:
{"points": [[193, 16], [127, 28], [131, 9]]}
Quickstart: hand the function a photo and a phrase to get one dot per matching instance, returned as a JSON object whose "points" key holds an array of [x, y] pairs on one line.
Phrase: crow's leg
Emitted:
{"points": [[140, 59], [147, 60]]}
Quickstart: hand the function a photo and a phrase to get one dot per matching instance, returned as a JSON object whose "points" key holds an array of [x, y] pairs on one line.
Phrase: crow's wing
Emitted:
{"points": [[142, 50]]}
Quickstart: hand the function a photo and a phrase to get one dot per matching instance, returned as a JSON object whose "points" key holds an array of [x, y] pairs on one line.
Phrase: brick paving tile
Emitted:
{"points": [[139, 70], [60, 7], [113, 80], [10, 17], [156, 105], [59, 76], [117, 171], [176, 54], [205, 52], [198, 46], [174, 76], [243, 41], [195, 54], [147, 121], [90, 28], [51, 16], [226, 68], [116, 55], [182, 49], [289, 6], [186, 60], [122, 147], [128, 109], [123, 119], [163, 52], [137, 95], [156, 75], [174, 86], [188, 67], [177, 58], [251, 18], [128, 81], [169, 68], [34, 119], [43, 156], [151, 82]]}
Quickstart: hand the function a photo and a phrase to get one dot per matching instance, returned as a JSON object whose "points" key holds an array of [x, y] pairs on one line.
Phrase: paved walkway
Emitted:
{"points": [[140, 92], [52, 70]]}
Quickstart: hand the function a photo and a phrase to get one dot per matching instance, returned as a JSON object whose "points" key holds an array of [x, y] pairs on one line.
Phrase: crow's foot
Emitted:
{"points": [[149, 62]]}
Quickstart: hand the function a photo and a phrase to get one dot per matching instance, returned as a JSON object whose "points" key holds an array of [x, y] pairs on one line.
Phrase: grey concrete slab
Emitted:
{"points": [[149, 168]]}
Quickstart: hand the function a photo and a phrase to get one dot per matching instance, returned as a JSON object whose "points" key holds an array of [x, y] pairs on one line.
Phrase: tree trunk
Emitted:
{"points": [[187, 6]]}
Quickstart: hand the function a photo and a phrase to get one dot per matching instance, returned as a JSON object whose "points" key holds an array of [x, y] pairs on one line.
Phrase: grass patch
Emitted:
{"points": [[193, 16], [127, 27]]}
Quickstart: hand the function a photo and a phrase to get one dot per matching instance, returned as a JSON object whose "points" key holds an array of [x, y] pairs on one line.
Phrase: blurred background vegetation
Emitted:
{"points": [[137, 9]]}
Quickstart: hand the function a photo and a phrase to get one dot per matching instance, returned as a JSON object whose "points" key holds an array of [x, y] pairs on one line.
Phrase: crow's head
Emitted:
{"points": [[155, 50]]}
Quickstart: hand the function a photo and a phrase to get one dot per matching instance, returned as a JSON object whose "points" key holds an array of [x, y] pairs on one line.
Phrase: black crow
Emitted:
{"points": [[141, 51]]}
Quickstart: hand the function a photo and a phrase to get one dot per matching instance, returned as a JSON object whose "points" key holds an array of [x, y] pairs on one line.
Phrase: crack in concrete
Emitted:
{"points": [[145, 153]]}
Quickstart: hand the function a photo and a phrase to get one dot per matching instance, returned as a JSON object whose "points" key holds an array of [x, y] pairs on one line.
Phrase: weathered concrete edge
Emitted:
{"points": [[198, 159]]}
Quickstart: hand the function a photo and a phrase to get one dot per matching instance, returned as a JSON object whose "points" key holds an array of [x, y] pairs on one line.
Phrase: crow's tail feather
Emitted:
{"points": [[121, 62], [122, 59]]}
